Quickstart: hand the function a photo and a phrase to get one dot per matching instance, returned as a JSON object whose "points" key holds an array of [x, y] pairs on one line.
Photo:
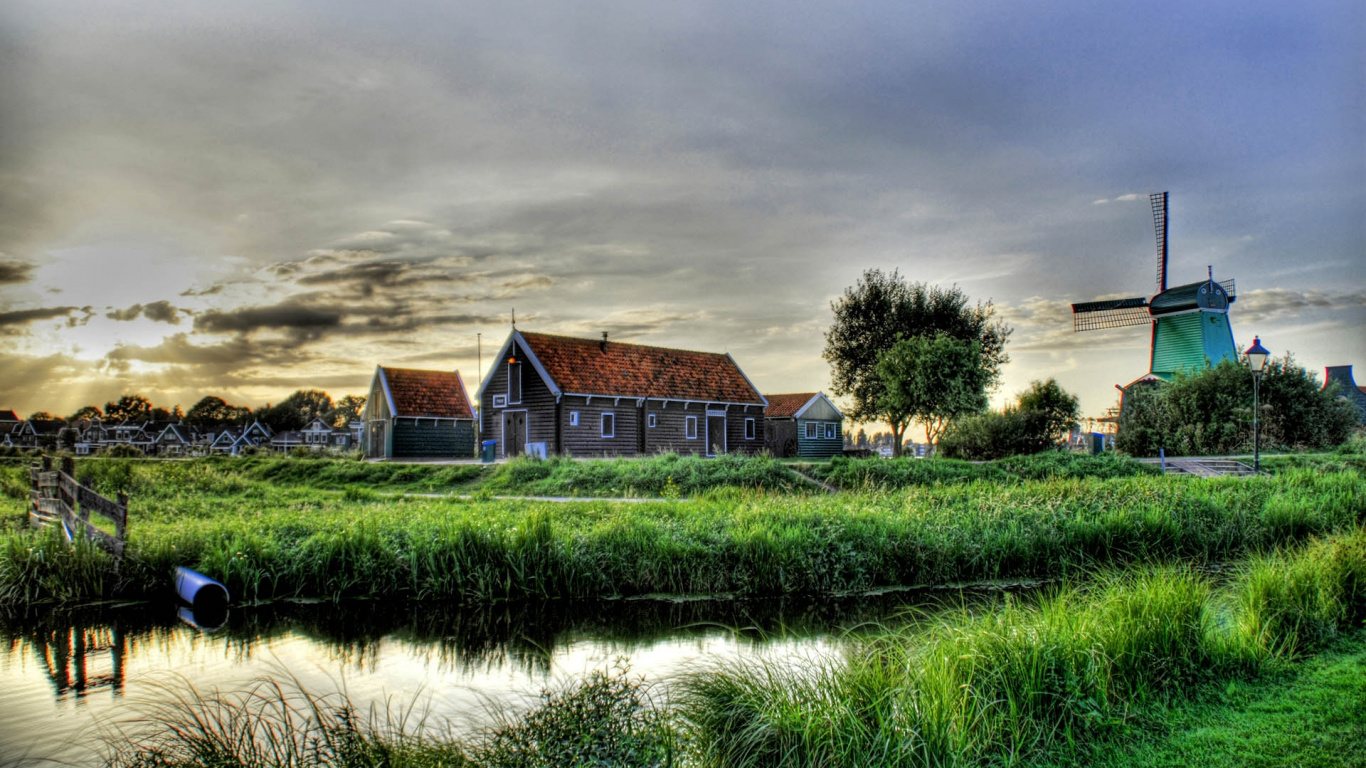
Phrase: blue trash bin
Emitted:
{"points": [[489, 448]]}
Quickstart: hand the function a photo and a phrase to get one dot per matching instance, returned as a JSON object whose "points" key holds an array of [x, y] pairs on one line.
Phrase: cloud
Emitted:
{"points": [[1280, 303], [290, 315], [212, 290], [157, 311], [15, 271], [1127, 198], [11, 322]]}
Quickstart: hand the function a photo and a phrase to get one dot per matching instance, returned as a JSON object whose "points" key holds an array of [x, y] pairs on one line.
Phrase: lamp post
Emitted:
{"points": [[1256, 361]]}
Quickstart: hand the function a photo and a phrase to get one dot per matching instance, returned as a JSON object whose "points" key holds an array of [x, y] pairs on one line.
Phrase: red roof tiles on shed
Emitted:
{"points": [[590, 367], [786, 406], [428, 393]]}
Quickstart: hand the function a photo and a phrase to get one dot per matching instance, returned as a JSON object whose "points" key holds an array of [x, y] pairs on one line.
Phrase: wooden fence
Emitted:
{"points": [[59, 499]]}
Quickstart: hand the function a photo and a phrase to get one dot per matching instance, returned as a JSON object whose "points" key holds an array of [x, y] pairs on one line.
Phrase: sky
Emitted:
{"points": [[243, 199]]}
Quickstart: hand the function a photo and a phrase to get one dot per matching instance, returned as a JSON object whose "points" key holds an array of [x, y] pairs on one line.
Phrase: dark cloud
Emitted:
{"points": [[11, 322], [158, 311], [15, 271], [289, 315], [210, 291]]}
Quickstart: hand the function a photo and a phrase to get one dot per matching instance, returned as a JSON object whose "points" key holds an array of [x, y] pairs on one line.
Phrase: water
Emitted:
{"points": [[63, 673]]}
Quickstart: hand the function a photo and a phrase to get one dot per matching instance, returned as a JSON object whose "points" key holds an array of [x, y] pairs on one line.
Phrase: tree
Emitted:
{"points": [[310, 403], [932, 381], [882, 309], [1061, 411], [347, 409], [212, 411], [87, 412], [41, 416], [129, 407], [283, 417]]}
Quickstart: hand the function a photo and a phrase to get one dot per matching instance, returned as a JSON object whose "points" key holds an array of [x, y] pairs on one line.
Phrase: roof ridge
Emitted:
{"points": [[621, 343]]}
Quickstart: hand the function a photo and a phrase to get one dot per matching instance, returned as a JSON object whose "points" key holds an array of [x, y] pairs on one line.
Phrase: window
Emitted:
{"points": [[690, 429], [609, 425], [514, 382], [811, 430], [829, 431], [500, 401], [749, 429], [654, 420], [573, 418]]}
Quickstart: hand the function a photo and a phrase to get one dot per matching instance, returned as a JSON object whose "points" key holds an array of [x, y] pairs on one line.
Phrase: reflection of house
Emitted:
{"points": [[593, 398], [1347, 387], [806, 424], [418, 414]]}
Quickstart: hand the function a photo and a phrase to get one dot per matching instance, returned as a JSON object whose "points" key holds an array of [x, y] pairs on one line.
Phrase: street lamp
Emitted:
{"points": [[1256, 361]]}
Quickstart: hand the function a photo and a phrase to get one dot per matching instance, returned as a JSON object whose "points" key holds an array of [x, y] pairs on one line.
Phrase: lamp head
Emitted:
{"points": [[1257, 355]]}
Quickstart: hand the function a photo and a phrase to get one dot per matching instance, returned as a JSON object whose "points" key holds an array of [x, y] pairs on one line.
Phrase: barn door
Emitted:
{"points": [[716, 435], [377, 429], [514, 433]]}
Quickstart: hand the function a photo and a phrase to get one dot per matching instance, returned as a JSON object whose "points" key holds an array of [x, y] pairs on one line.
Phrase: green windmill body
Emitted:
{"points": [[1190, 327]]}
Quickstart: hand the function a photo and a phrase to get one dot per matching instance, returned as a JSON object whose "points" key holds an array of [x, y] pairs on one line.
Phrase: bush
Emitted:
{"points": [[995, 435], [1210, 412]]}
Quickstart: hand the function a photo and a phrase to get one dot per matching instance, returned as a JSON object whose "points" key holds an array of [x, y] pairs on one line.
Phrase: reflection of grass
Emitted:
{"points": [[268, 541]]}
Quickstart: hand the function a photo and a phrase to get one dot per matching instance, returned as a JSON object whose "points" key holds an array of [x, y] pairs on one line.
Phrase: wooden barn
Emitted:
{"points": [[804, 424], [414, 414], [590, 397]]}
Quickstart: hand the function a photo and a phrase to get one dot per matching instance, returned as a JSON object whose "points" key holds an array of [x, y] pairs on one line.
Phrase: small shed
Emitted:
{"points": [[804, 424], [413, 414]]}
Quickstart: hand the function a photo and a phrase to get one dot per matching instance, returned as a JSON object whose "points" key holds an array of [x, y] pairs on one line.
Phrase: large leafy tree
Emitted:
{"points": [[134, 407], [882, 309], [310, 403], [932, 381], [347, 410], [213, 411], [87, 412], [1061, 411]]}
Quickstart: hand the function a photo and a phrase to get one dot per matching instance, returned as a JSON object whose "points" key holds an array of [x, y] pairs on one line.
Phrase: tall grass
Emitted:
{"points": [[1023, 680], [881, 474], [265, 543]]}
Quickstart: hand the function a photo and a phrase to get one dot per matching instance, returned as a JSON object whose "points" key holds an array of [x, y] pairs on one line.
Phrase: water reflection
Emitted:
{"points": [[55, 666]]}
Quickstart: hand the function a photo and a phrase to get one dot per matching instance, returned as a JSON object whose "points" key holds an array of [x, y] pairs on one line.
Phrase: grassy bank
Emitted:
{"points": [[883, 475], [1035, 683], [268, 540], [1105, 672]]}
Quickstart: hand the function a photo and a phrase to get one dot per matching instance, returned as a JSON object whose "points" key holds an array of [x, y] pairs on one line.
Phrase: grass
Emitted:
{"points": [[1027, 683], [1310, 715], [1157, 666], [267, 540], [882, 474]]}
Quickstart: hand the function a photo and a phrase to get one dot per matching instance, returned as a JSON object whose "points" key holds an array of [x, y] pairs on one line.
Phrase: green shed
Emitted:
{"points": [[804, 424], [417, 414]]}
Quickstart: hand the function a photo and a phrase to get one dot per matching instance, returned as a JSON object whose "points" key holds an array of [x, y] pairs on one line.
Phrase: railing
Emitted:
{"points": [[59, 499]]}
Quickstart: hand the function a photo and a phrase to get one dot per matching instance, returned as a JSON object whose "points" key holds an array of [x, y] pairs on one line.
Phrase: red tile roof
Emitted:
{"points": [[8, 416], [786, 406], [428, 393], [584, 366]]}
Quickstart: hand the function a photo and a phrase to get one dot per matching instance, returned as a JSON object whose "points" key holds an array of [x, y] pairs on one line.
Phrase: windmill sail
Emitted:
{"points": [[1159, 204], [1115, 313]]}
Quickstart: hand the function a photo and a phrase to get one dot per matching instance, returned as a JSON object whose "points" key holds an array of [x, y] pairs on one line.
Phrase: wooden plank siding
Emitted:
{"points": [[537, 400], [819, 447]]}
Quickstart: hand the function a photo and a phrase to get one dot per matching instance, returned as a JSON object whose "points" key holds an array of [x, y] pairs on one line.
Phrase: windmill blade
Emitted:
{"points": [[1115, 313], [1159, 204], [1231, 288]]}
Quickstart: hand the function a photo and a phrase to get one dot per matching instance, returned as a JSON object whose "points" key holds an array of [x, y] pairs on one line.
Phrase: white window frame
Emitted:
{"points": [[812, 430], [690, 428], [605, 417], [653, 420], [830, 430], [749, 429], [500, 401], [573, 418], [518, 368]]}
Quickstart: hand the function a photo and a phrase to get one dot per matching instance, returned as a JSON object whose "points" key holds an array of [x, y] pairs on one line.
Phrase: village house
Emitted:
{"points": [[589, 397], [805, 424], [412, 413]]}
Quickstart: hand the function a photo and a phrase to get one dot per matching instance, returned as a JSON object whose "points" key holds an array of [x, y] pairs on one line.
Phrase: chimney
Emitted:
{"points": [[603, 344]]}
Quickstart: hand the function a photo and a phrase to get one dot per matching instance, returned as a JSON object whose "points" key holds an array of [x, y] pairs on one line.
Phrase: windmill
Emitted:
{"points": [[1190, 326]]}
